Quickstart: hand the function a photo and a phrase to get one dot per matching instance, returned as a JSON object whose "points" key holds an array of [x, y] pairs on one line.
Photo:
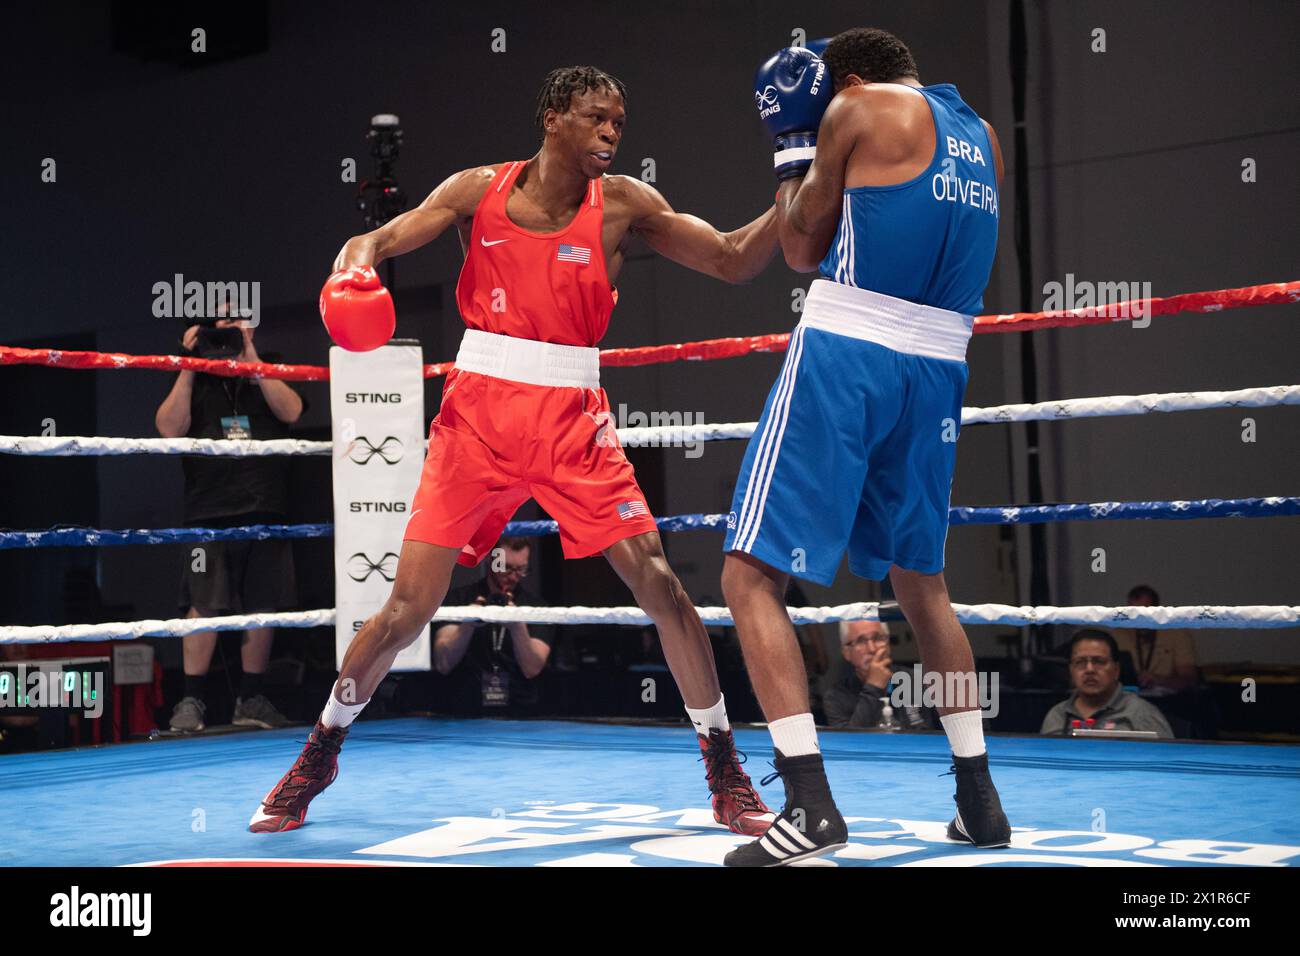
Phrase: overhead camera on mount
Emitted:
{"points": [[380, 198]]}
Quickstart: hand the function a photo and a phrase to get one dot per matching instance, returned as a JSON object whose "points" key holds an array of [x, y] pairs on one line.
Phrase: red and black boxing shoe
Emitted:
{"points": [[736, 804], [285, 807]]}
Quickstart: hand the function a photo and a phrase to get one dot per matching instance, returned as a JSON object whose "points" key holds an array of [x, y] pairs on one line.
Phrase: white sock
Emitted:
{"points": [[795, 736], [337, 715], [710, 718], [965, 732]]}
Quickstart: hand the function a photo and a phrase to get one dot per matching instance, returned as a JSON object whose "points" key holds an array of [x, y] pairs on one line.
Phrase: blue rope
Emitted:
{"points": [[1128, 511], [75, 537], [1010, 514]]}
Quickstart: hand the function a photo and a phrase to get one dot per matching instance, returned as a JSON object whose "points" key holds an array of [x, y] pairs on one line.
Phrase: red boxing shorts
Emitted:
{"points": [[523, 419]]}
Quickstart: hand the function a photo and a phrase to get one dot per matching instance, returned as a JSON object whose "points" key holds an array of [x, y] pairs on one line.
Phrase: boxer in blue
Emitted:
{"points": [[890, 190]]}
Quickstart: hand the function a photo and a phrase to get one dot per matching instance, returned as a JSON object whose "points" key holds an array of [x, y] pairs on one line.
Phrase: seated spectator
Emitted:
{"points": [[497, 665], [1094, 675], [1166, 659], [855, 699]]}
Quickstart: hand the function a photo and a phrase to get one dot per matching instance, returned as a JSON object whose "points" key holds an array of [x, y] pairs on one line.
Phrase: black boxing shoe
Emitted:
{"points": [[979, 818], [808, 825]]}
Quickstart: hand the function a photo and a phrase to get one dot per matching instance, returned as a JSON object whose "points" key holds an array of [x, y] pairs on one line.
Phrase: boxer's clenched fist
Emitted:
{"points": [[791, 91], [357, 310]]}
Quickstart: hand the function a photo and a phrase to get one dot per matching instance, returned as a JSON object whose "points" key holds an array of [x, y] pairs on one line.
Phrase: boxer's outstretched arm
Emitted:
{"points": [[454, 200], [690, 241], [808, 208]]}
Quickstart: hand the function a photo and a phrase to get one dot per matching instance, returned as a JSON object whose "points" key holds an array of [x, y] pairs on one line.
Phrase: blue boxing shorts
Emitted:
{"points": [[858, 440]]}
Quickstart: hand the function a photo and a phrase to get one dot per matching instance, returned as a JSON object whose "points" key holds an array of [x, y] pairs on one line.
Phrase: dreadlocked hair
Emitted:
{"points": [[561, 85]]}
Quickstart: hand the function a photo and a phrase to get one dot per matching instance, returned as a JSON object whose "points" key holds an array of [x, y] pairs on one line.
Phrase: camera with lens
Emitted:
{"points": [[215, 343]]}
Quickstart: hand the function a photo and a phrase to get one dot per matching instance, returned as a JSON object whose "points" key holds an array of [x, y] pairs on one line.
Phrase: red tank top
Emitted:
{"points": [[550, 287]]}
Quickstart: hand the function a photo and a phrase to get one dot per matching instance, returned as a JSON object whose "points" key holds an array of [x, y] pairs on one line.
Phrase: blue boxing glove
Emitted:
{"points": [[792, 91]]}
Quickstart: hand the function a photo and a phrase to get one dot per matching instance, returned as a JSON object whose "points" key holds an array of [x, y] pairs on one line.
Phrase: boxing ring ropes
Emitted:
{"points": [[1197, 616]]}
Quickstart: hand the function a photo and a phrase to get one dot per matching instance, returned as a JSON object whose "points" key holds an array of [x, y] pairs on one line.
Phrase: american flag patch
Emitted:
{"points": [[632, 509], [570, 253]]}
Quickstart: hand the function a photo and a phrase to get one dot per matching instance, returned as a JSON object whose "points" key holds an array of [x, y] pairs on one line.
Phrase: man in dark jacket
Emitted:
{"points": [[856, 699], [496, 667]]}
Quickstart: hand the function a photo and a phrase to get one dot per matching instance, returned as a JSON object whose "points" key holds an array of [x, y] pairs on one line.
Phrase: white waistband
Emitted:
{"points": [[894, 323], [529, 361]]}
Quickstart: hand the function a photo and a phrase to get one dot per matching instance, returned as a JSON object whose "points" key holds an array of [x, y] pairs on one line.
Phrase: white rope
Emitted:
{"points": [[1194, 616], [674, 436], [82, 445], [1108, 405], [174, 627], [677, 435], [1103, 407]]}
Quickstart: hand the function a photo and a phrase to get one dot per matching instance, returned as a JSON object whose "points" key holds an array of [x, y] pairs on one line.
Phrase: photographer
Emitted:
{"points": [[231, 577], [497, 665]]}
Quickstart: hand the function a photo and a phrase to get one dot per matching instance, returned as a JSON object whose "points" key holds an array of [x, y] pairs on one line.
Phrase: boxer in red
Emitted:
{"points": [[523, 414]]}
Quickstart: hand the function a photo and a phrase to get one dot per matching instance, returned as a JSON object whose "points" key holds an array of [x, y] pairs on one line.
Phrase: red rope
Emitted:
{"points": [[705, 350], [57, 358]]}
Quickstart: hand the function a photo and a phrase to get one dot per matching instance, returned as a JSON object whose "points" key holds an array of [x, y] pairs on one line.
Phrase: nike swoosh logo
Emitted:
{"points": [[494, 242]]}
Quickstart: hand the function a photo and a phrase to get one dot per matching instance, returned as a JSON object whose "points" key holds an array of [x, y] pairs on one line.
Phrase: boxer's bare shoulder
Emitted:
{"points": [[461, 192], [629, 200]]}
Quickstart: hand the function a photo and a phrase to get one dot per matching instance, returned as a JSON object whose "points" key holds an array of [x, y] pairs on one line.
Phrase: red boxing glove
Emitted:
{"points": [[357, 310]]}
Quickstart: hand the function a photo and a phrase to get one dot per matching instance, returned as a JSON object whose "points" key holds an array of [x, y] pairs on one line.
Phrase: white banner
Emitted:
{"points": [[377, 408]]}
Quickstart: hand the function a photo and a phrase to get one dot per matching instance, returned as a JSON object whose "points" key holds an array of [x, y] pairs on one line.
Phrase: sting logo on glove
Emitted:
{"points": [[791, 93]]}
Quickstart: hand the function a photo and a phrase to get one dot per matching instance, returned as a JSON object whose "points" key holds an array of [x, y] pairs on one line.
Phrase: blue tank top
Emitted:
{"points": [[930, 240]]}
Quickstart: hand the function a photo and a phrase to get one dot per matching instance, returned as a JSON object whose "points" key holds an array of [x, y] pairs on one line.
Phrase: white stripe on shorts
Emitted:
{"points": [[763, 438], [769, 448]]}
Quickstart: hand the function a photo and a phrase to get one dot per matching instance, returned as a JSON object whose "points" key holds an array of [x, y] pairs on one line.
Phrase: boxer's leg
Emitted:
{"points": [[792, 513], [755, 593], [640, 562], [423, 575], [591, 491], [945, 649], [916, 476], [463, 487]]}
